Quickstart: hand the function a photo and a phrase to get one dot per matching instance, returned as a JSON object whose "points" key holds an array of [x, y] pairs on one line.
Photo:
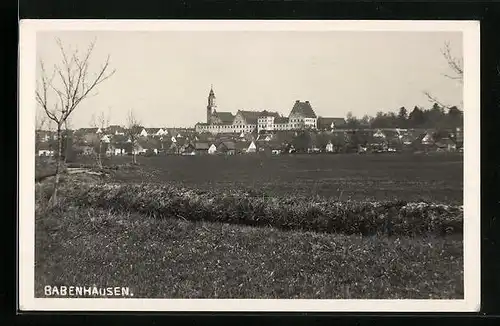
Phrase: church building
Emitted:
{"points": [[302, 116]]}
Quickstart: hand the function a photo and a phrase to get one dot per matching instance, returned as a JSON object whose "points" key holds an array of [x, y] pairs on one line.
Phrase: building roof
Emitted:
{"points": [[201, 145], [119, 138], [152, 130], [87, 130], [281, 120], [242, 145], [324, 122], [275, 144], [228, 145], [251, 117], [445, 141], [225, 117], [391, 134], [149, 143], [266, 113], [114, 128], [181, 141], [303, 109]]}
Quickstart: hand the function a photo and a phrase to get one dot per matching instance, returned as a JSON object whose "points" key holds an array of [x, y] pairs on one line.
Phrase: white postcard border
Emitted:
{"points": [[27, 104]]}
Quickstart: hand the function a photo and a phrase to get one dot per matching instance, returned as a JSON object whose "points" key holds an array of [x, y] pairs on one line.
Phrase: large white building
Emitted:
{"points": [[302, 116]]}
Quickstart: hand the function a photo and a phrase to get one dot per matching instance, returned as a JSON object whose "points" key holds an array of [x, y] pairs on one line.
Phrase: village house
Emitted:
{"points": [[115, 130], [329, 147], [188, 149], [264, 137], [153, 132], [160, 132], [115, 150], [45, 135], [201, 148], [85, 150], [252, 148], [330, 123], [446, 144], [428, 139], [226, 147], [106, 139], [45, 149], [212, 149], [241, 147]]}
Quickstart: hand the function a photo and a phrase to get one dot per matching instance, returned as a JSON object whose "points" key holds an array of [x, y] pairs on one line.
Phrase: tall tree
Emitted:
{"points": [[402, 117], [416, 118], [380, 120], [351, 121], [454, 117], [102, 123], [133, 131], [366, 120], [392, 120], [60, 92], [434, 118]]}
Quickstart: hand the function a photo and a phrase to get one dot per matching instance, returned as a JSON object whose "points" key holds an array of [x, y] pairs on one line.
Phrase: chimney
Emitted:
{"points": [[307, 102]]}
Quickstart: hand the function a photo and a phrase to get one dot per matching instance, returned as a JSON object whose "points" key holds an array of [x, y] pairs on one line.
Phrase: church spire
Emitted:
{"points": [[212, 106]]}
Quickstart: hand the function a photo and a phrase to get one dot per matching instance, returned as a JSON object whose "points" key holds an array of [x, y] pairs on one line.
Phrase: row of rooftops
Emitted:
{"points": [[277, 139], [115, 129]]}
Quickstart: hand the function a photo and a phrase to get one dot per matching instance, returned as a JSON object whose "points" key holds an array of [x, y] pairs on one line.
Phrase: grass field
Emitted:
{"points": [[435, 178], [134, 228]]}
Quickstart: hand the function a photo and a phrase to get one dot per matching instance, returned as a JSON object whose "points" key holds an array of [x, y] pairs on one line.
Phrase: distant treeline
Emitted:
{"points": [[436, 117]]}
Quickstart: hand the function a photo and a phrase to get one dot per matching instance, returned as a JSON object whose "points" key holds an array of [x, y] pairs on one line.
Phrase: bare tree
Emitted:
{"points": [[133, 130], [61, 91], [455, 65], [102, 123]]}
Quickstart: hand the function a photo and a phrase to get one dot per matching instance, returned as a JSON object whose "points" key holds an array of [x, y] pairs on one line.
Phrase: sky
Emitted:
{"points": [[165, 76]]}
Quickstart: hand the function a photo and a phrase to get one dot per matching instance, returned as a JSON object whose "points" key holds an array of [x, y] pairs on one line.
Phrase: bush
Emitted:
{"points": [[289, 213]]}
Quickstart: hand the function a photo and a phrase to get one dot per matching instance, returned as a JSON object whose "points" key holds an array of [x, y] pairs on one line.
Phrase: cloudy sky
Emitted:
{"points": [[165, 76]]}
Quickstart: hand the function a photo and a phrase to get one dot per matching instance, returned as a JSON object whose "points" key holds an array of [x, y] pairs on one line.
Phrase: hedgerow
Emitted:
{"points": [[289, 213]]}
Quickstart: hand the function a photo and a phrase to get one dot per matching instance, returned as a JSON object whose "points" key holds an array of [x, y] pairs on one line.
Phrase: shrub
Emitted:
{"points": [[321, 215]]}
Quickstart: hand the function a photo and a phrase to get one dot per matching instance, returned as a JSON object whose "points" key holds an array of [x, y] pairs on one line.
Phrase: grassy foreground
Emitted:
{"points": [[168, 242], [173, 258]]}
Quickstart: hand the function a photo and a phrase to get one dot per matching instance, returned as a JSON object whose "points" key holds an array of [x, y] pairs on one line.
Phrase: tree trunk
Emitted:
{"points": [[133, 154], [64, 140], [59, 160], [99, 161]]}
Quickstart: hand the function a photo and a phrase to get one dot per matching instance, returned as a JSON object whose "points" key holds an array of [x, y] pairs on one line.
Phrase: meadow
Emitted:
{"points": [[298, 226], [434, 178]]}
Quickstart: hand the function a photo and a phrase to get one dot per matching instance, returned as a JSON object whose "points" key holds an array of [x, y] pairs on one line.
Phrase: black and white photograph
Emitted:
{"points": [[249, 165]]}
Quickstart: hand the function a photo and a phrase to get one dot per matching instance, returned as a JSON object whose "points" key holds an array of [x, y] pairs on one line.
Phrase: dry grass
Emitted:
{"points": [[173, 258], [287, 213]]}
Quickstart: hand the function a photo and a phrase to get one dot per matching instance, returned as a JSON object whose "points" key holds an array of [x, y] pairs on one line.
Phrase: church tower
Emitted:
{"points": [[212, 106]]}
